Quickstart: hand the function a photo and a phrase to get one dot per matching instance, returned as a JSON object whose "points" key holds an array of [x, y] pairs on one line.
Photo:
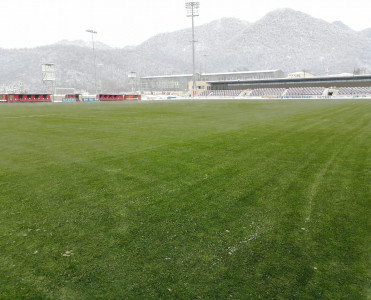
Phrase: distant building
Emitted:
{"points": [[300, 75], [343, 75], [180, 83]]}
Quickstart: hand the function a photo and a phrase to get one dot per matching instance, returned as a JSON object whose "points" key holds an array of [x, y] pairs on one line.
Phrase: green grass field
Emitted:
{"points": [[186, 200]]}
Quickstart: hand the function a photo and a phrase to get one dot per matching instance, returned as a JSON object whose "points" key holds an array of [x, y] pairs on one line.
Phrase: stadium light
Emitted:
{"points": [[132, 77], [193, 11], [95, 67]]}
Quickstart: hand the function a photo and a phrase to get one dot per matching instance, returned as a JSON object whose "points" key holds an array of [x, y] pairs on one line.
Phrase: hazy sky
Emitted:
{"points": [[30, 23]]}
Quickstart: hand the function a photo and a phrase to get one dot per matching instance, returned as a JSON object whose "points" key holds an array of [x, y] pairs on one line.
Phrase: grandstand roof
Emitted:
{"points": [[167, 76], [243, 72], [213, 74], [327, 81]]}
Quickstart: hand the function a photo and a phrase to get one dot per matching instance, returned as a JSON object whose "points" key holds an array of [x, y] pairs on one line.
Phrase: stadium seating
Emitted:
{"points": [[221, 93], [268, 92], [305, 91], [292, 92], [354, 91]]}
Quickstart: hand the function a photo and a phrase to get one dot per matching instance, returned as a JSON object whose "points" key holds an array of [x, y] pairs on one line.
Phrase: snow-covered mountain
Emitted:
{"points": [[81, 43], [284, 39], [341, 25], [366, 33], [293, 41]]}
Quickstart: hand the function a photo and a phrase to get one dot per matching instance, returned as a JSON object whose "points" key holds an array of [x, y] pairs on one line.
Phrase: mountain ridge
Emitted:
{"points": [[283, 39]]}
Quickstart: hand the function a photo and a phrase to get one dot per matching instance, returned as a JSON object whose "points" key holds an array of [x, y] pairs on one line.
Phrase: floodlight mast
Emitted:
{"points": [[192, 11], [95, 66]]}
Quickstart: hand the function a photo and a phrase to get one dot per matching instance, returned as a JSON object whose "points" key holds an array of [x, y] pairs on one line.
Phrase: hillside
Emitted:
{"points": [[284, 39], [293, 41], [366, 33]]}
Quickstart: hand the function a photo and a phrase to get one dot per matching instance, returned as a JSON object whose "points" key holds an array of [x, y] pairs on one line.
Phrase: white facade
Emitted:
{"points": [[300, 75]]}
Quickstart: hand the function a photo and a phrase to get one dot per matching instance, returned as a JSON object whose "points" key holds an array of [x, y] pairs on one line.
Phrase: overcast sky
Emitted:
{"points": [[119, 23]]}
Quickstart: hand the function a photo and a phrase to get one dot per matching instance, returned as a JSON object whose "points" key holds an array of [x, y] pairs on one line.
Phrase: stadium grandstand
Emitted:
{"points": [[314, 87], [259, 84]]}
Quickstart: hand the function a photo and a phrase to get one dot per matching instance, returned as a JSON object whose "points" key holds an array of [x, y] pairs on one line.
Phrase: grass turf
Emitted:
{"points": [[186, 200]]}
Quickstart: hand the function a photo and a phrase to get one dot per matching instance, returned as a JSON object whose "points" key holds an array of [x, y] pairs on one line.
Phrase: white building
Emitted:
{"points": [[300, 75]]}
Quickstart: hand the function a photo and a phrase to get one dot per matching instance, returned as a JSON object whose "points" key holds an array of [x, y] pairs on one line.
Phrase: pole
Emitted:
{"points": [[192, 11], [100, 77], [193, 56], [95, 66]]}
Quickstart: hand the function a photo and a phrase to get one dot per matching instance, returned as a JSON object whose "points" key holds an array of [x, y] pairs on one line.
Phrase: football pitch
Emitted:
{"points": [[186, 200]]}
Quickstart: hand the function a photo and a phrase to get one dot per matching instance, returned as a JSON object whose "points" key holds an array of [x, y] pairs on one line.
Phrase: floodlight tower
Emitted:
{"points": [[132, 78], [48, 77], [192, 11], [95, 67]]}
